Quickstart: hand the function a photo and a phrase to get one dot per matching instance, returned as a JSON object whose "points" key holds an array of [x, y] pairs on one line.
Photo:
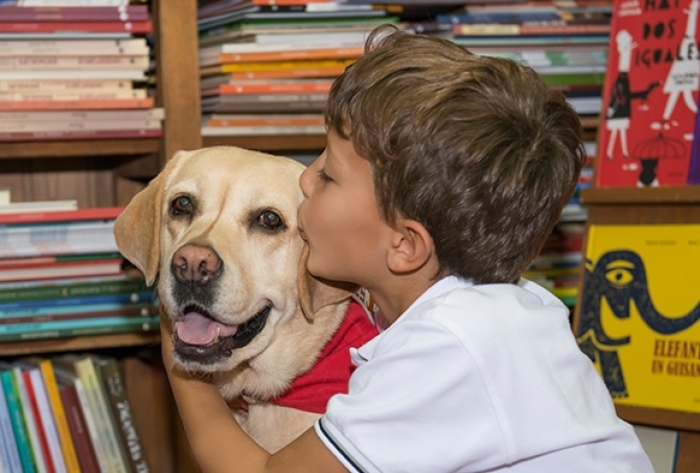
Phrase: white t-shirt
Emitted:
{"points": [[475, 379]]}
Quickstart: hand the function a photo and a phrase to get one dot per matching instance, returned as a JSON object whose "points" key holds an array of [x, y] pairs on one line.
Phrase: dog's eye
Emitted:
{"points": [[181, 206], [271, 220]]}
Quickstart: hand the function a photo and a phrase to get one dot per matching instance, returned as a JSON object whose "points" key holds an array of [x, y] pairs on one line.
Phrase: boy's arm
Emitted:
{"points": [[220, 445]]}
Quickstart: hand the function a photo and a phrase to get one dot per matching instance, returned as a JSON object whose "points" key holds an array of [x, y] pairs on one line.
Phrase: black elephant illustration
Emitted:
{"points": [[619, 277]]}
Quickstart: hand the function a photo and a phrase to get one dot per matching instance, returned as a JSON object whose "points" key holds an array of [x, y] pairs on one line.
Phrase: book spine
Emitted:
{"points": [[123, 298], [33, 63], [8, 443], [136, 27], [135, 325], [46, 418], [78, 104], [80, 126], [93, 428], [69, 455], [41, 448], [271, 88], [74, 290], [75, 419], [95, 115], [60, 15], [143, 311], [290, 120], [121, 409], [64, 85], [126, 47], [107, 431], [300, 54], [61, 325], [97, 213], [18, 423], [80, 135], [58, 310], [62, 96]]}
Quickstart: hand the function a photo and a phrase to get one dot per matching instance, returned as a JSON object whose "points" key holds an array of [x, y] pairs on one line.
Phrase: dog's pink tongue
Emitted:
{"points": [[196, 329]]}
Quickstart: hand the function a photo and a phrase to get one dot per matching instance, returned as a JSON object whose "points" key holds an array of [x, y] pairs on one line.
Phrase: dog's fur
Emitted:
{"points": [[219, 227]]}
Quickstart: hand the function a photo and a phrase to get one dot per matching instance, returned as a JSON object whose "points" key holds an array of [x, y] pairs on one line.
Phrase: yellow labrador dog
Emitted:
{"points": [[218, 227]]}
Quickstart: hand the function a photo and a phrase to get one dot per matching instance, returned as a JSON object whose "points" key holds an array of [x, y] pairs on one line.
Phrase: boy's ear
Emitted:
{"points": [[411, 247]]}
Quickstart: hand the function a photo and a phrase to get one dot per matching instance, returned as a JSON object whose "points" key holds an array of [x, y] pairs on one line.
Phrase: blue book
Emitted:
{"points": [[125, 298], [8, 443], [496, 17], [71, 324], [17, 419], [74, 309], [80, 328]]}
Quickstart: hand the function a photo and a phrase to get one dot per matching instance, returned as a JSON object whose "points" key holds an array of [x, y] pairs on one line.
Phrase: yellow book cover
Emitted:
{"points": [[69, 454], [640, 305]]}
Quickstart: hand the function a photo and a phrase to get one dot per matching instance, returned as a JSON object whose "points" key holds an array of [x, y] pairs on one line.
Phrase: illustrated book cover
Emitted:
{"points": [[650, 95], [639, 312]]}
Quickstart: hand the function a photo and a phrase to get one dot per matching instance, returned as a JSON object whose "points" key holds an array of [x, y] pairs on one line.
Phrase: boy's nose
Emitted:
{"points": [[306, 181]]}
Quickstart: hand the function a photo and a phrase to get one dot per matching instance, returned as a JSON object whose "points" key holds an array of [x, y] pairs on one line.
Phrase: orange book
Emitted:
{"points": [[333, 71], [329, 53], [69, 454], [78, 104], [277, 88]]}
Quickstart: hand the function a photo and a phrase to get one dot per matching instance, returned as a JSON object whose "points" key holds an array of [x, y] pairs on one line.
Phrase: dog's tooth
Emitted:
{"points": [[218, 331]]}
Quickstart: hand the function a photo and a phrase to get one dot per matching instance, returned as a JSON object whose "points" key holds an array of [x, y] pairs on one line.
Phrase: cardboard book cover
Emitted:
{"points": [[650, 95], [639, 312]]}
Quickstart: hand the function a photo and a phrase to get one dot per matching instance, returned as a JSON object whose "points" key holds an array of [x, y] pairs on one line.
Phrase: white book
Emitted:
{"points": [[262, 130], [72, 3], [76, 85], [101, 47], [86, 125], [64, 35], [29, 421], [77, 63], [92, 115], [100, 409], [66, 96], [239, 48], [47, 421], [37, 206], [5, 196], [131, 74]]}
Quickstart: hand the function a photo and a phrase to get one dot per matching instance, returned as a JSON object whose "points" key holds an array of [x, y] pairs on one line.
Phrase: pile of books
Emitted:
{"points": [[61, 275], [267, 66], [66, 414], [75, 72]]}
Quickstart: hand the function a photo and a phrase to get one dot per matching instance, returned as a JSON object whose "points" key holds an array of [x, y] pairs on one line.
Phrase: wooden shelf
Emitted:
{"points": [[675, 420], [270, 143], [634, 195], [74, 148], [77, 343]]}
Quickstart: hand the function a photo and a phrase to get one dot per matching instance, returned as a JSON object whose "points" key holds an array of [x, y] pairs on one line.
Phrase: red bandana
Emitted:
{"points": [[311, 391]]}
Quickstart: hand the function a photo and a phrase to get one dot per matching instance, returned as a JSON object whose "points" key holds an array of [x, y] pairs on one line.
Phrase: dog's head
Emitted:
{"points": [[218, 227]]}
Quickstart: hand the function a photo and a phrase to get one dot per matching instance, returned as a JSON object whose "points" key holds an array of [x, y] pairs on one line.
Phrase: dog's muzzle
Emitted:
{"points": [[201, 339]]}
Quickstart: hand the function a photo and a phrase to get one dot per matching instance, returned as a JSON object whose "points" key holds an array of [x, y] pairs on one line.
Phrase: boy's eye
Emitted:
{"points": [[323, 176]]}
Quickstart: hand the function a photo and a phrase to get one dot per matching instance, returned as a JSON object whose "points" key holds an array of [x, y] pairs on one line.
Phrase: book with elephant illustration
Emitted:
{"points": [[650, 94], [639, 313]]}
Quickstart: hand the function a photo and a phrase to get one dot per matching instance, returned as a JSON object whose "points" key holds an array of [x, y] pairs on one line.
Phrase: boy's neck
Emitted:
{"points": [[393, 297]]}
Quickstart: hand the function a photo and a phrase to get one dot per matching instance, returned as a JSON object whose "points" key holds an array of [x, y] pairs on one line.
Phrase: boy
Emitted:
{"points": [[443, 175]]}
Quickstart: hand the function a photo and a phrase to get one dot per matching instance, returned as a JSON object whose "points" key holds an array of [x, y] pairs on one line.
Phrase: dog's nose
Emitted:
{"points": [[193, 264]]}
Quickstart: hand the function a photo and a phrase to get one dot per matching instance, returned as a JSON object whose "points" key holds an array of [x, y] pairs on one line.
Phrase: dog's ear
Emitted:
{"points": [[137, 228], [315, 293]]}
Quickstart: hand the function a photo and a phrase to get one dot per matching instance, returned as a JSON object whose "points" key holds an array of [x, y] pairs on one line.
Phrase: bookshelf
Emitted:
{"points": [[672, 204]]}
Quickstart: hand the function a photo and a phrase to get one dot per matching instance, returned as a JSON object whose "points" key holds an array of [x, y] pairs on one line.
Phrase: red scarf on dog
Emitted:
{"points": [[311, 391]]}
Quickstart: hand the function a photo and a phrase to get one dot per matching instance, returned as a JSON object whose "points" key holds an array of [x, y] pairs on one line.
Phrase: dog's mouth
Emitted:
{"points": [[200, 338]]}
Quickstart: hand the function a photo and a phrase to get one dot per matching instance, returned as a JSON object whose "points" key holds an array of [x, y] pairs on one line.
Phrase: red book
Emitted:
{"points": [[136, 27], [39, 426], [78, 429], [650, 95], [95, 213]]}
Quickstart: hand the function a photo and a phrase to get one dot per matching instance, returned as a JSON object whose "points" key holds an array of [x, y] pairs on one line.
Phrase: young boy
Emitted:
{"points": [[443, 174]]}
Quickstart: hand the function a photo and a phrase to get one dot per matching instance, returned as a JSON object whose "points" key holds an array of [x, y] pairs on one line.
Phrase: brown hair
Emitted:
{"points": [[477, 149]]}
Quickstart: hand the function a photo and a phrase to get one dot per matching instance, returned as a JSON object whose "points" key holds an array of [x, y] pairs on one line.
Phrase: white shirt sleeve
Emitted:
{"points": [[418, 405]]}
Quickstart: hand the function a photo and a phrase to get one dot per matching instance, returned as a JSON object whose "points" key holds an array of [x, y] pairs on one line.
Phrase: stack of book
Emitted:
{"points": [[61, 275], [565, 41], [267, 65], [75, 72], [67, 414]]}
